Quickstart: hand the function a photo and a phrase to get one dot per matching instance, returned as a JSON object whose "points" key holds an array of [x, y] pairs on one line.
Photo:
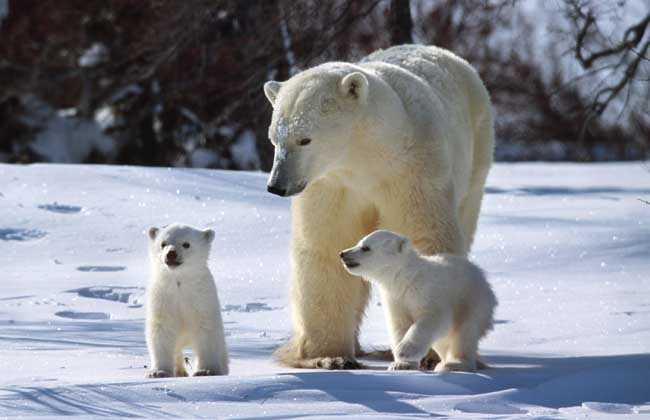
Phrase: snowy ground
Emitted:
{"points": [[567, 248]]}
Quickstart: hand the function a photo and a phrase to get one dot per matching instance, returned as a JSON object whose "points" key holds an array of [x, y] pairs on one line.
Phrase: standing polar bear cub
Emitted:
{"points": [[442, 301], [182, 305], [409, 127]]}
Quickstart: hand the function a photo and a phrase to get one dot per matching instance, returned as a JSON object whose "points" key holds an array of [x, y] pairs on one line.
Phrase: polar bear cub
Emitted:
{"points": [[182, 305], [442, 300]]}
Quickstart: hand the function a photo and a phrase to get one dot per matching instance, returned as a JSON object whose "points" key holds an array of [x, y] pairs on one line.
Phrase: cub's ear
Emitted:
{"points": [[153, 232], [355, 86], [271, 90], [208, 234]]}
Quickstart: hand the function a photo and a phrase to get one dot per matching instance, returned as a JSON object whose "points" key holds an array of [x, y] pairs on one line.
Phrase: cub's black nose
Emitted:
{"points": [[276, 190], [171, 255]]}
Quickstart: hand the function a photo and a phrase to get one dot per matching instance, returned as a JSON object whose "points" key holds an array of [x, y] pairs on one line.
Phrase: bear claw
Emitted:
{"points": [[338, 363], [158, 374], [403, 366], [204, 372]]}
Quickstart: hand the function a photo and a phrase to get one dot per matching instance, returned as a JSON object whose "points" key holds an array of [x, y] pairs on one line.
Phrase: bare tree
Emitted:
{"points": [[626, 58], [400, 21]]}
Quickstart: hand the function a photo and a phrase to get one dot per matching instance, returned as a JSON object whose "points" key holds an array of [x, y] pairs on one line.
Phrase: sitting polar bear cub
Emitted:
{"points": [[441, 300], [182, 306]]}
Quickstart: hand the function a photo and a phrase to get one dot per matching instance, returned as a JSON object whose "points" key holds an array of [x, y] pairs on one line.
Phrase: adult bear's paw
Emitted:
{"points": [[205, 372], [429, 361], [337, 363], [158, 373]]}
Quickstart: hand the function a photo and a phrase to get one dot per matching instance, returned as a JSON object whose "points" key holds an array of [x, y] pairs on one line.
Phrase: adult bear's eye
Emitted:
{"points": [[186, 245], [304, 142], [365, 248]]}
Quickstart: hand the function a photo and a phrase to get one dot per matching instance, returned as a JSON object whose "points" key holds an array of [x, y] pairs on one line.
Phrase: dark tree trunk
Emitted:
{"points": [[401, 24]]}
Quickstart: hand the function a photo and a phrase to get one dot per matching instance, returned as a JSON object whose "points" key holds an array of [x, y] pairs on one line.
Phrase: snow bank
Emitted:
{"points": [[63, 138]]}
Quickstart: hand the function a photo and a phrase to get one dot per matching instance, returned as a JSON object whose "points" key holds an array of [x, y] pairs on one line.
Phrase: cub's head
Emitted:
{"points": [[380, 252], [314, 118], [178, 246]]}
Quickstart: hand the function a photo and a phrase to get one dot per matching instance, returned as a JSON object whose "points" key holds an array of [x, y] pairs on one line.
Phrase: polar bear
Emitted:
{"points": [[402, 140], [182, 305], [440, 300]]}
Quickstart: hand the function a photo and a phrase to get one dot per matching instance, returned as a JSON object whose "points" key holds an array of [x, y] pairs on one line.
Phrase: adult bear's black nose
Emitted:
{"points": [[282, 192]]}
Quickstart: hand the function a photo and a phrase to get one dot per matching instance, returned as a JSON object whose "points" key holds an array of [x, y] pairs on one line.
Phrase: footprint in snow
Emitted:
{"points": [[83, 315], [248, 307], [131, 295], [60, 208], [120, 250], [10, 234], [100, 268]]}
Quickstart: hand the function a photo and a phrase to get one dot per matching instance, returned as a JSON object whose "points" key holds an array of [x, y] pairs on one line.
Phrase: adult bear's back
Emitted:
{"points": [[447, 73]]}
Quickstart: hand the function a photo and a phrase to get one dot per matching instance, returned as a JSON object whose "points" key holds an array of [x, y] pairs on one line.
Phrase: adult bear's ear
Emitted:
{"points": [[153, 232], [355, 86], [208, 234], [271, 90]]}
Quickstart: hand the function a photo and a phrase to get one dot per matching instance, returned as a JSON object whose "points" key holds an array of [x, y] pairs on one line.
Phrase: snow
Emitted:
{"points": [[93, 56], [565, 246], [125, 92], [62, 137], [244, 151], [105, 118], [204, 158]]}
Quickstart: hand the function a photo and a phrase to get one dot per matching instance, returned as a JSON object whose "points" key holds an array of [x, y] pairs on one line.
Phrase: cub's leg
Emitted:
{"points": [[208, 354], [399, 323], [463, 348], [161, 342], [417, 341]]}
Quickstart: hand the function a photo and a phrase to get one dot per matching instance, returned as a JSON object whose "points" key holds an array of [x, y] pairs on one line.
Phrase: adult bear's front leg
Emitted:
{"points": [[326, 302]]}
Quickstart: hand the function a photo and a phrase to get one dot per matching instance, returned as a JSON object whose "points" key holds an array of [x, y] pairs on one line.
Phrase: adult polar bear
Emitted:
{"points": [[401, 141]]}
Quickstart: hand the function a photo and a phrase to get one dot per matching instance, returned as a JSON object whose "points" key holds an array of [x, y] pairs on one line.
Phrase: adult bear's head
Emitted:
{"points": [[315, 116]]}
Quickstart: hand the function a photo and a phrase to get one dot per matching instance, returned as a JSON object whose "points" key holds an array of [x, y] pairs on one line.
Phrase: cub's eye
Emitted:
{"points": [[186, 245], [365, 248], [304, 142], [164, 244]]}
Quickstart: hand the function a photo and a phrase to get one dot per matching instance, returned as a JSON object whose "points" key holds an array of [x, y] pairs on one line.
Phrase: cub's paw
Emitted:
{"points": [[401, 365], [337, 363], [158, 373], [205, 372], [456, 367]]}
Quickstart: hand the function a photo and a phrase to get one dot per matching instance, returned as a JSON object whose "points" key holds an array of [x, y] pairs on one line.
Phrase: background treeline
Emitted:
{"points": [[168, 82]]}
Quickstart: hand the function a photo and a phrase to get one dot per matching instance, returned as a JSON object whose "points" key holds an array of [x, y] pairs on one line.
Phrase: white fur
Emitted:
{"points": [[442, 301], [403, 141], [182, 307]]}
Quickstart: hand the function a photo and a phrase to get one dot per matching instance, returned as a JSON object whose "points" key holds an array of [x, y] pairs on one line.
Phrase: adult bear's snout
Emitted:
{"points": [[282, 192]]}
